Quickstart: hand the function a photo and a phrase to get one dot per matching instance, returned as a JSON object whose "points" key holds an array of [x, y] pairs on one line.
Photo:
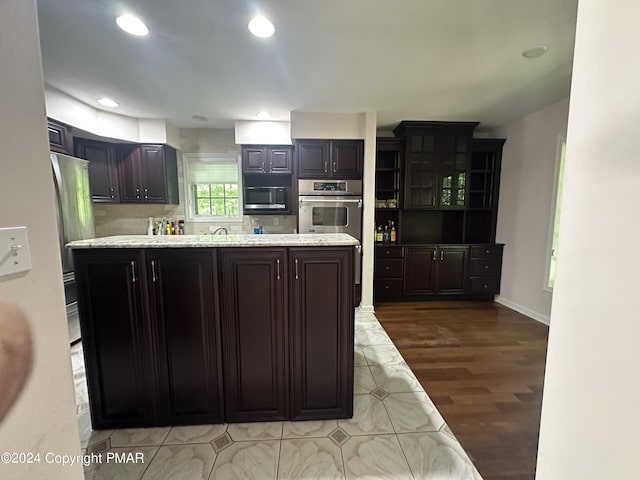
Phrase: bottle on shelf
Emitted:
{"points": [[379, 234], [393, 233], [385, 234]]}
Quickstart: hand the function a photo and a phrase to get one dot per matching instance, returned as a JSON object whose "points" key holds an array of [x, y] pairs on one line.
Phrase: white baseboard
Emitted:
{"points": [[538, 317], [366, 308]]}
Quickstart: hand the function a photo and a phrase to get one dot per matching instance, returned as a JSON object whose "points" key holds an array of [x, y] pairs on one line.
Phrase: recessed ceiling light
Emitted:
{"points": [[107, 102], [263, 115], [132, 25], [199, 118], [261, 27], [535, 52]]}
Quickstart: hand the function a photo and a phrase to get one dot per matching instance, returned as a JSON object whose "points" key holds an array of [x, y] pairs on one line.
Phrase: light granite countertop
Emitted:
{"points": [[194, 241]]}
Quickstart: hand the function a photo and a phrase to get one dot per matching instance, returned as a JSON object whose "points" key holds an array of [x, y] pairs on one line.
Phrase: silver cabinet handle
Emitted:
{"points": [[263, 169], [335, 167], [441, 255], [133, 271], [137, 193], [296, 269], [434, 255], [153, 271], [325, 167], [146, 193], [278, 265]]}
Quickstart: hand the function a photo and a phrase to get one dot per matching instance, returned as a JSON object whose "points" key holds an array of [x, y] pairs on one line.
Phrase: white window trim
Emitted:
{"points": [[562, 139], [189, 207]]}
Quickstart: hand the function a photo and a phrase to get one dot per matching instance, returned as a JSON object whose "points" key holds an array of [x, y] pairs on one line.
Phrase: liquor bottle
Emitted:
{"points": [[393, 234], [385, 235], [379, 234]]}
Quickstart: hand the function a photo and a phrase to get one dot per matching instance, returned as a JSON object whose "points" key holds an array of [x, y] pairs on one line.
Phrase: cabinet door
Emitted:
{"points": [[153, 174], [59, 137], [129, 174], [452, 269], [254, 159], [279, 159], [115, 337], [184, 319], [313, 158], [419, 270], [453, 150], [255, 356], [322, 333], [103, 171], [346, 158], [421, 168]]}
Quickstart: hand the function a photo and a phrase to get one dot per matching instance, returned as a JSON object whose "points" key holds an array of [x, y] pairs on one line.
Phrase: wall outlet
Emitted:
{"points": [[276, 221], [14, 251]]}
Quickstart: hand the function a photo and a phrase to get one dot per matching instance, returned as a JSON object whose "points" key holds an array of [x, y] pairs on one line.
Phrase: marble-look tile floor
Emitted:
{"points": [[396, 433]]}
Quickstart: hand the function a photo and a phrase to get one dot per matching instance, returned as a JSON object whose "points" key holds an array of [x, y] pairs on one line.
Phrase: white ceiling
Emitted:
{"points": [[406, 59]]}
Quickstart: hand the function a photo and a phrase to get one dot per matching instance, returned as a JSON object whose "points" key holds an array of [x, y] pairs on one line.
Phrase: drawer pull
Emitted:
{"points": [[386, 287], [487, 251], [386, 268], [387, 252], [485, 285], [486, 267]]}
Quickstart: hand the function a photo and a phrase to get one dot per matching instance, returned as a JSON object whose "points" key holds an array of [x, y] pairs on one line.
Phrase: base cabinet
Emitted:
{"points": [[254, 326], [202, 335], [116, 338], [322, 334], [150, 336], [186, 332], [467, 271]]}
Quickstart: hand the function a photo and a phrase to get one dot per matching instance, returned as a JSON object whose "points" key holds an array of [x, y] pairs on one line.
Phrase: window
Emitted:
{"points": [[212, 181], [555, 226]]}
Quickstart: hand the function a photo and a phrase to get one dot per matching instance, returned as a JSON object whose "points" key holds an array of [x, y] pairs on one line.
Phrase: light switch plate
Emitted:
{"points": [[14, 251]]}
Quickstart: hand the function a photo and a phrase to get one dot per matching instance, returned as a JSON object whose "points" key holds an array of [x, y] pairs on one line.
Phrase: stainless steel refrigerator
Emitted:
{"points": [[75, 222]]}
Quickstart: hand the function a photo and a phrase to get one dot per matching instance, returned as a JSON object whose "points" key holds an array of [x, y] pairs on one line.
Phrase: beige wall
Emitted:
{"points": [[590, 419], [44, 419], [527, 189]]}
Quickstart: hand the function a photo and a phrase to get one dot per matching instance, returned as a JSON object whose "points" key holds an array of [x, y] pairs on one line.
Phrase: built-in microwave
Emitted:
{"points": [[265, 199]]}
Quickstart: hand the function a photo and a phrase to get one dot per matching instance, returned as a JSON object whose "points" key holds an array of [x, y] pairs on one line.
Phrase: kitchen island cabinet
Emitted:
{"points": [[255, 353], [201, 329], [322, 333]]}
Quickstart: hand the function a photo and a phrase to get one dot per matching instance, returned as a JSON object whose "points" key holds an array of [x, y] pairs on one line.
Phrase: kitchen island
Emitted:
{"points": [[216, 328]]}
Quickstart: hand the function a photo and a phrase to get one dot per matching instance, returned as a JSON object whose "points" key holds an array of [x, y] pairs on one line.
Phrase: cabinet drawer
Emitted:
{"points": [[483, 251], [484, 266], [483, 284], [388, 287], [388, 267], [389, 251]]}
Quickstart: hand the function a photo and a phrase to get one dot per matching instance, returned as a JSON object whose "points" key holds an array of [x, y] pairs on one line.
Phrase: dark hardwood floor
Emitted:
{"points": [[482, 364]]}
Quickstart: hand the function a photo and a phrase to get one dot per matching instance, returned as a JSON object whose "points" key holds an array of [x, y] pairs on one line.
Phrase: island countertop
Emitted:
{"points": [[197, 241]]}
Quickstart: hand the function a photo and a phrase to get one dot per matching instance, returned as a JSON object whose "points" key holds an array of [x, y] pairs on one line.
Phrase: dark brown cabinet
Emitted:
{"points": [[437, 159], [485, 266], [103, 169], [186, 330], [389, 271], [150, 336], [436, 270], [148, 174], [261, 159], [322, 333], [60, 138], [116, 337], [330, 158], [254, 334], [201, 335]]}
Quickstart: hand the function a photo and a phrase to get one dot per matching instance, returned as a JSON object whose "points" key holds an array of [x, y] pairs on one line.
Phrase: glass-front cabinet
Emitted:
{"points": [[437, 162]]}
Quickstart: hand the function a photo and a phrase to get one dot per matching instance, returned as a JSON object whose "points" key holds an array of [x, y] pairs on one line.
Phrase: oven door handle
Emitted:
{"points": [[323, 200]]}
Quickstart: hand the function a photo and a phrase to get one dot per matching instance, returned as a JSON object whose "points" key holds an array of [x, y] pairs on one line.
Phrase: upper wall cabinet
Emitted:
{"points": [[103, 169], [148, 174], [437, 160], [267, 159], [330, 158], [60, 139]]}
